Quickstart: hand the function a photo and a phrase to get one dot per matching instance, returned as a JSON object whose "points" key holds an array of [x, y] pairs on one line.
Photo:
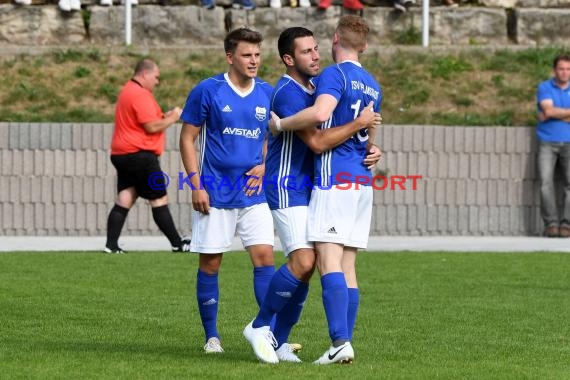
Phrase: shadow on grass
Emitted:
{"points": [[191, 351]]}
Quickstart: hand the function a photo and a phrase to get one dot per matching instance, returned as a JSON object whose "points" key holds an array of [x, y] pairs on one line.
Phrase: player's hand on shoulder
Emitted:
{"points": [[369, 118], [274, 124]]}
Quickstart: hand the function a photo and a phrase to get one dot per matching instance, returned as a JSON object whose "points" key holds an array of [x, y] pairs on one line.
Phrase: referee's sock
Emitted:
{"points": [[163, 220], [115, 223], [335, 301]]}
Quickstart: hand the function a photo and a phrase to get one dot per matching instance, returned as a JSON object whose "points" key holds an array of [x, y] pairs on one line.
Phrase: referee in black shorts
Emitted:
{"points": [[138, 141]]}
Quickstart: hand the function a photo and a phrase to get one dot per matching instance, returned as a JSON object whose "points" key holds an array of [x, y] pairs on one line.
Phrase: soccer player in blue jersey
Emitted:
{"points": [[229, 113], [340, 208], [289, 175]]}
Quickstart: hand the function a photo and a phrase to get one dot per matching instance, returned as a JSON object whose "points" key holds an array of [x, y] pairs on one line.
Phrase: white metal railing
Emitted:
{"points": [[128, 21], [425, 23]]}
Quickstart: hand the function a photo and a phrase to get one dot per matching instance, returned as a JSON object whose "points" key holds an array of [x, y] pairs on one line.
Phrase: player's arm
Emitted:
{"points": [[322, 140], [160, 125], [310, 117], [371, 136], [549, 111], [188, 136]]}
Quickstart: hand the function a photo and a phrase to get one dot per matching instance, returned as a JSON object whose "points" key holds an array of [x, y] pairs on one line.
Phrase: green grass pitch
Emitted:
{"points": [[422, 316]]}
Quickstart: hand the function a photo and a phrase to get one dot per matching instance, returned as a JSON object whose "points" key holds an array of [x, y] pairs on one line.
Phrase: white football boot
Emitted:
{"points": [[263, 343], [213, 346], [343, 354], [286, 353]]}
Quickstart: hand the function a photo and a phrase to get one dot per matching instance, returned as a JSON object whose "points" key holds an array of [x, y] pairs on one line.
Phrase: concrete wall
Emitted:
{"points": [[501, 22], [476, 181], [57, 179]]}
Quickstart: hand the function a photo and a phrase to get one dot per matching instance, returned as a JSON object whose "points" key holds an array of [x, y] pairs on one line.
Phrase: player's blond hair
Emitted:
{"points": [[353, 32]]}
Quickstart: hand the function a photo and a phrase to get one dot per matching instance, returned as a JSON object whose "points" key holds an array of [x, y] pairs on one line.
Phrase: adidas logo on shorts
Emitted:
{"points": [[331, 230], [284, 294]]}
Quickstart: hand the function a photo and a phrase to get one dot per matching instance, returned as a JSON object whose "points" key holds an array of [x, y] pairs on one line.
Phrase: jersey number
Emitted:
{"points": [[361, 135]]}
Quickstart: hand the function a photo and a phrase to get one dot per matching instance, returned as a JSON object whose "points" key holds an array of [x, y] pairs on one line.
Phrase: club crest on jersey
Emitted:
{"points": [[260, 113]]}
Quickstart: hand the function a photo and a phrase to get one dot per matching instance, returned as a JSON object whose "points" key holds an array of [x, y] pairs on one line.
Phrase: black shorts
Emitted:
{"points": [[136, 170]]}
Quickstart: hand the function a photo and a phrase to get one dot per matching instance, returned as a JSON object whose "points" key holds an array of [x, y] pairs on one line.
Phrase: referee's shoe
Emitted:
{"points": [[183, 247]]}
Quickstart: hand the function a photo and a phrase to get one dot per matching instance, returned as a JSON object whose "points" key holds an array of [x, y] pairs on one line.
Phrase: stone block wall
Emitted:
{"points": [[57, 179], [500, 22], [542, 27], [476, 181]]}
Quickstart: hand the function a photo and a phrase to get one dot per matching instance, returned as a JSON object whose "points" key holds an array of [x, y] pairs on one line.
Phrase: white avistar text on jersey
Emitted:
{"points": [[243, 132]]}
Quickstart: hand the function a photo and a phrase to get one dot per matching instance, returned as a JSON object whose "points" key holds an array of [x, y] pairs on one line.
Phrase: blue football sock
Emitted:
{"points": [[261, 279], [208, 295], [353, 301], [281, 290], [290, 314], [335, 301]]}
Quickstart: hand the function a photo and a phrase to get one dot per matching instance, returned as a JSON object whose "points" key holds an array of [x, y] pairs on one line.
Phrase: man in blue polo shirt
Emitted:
{"points": [[553, 132]]}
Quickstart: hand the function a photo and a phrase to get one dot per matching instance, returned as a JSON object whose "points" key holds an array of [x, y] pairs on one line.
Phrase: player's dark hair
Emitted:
{"points": [[243, 34], [561, 57], [286, 42]]}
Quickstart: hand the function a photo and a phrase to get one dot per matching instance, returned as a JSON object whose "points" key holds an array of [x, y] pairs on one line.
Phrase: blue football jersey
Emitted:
{"points": [[289, 163], [354, 88], [234, 125]]}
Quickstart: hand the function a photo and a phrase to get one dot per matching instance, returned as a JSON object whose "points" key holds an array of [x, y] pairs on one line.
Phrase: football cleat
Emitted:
{"points": [[296, 347], [343, 354], [118, 251], [213, 346], [285, 353], [183, 247], [263, 343]]}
